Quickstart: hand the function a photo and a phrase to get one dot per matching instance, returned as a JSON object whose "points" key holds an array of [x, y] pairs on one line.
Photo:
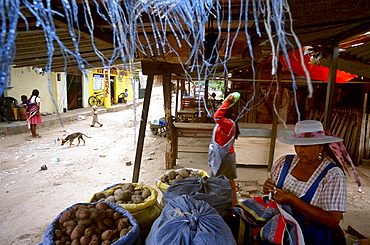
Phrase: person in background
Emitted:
{"points": [[311, 184], [25, 103], [125, 95], [95, 119], [33, 113], [221, 154]]}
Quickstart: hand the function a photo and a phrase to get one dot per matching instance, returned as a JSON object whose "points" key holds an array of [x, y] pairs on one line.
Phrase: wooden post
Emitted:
{"points": [[360, 151], [274, 121], [331, 87], [177, 96], [170, 158], [144, 119]]}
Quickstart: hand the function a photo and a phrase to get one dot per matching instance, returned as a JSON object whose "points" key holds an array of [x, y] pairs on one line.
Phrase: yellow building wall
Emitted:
{"points": [[121, 81]]}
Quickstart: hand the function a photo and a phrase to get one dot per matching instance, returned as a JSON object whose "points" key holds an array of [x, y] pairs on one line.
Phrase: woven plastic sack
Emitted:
{"points": [[214, 190], [130, 238], [144, 213], [187, 221], [163, 186]]}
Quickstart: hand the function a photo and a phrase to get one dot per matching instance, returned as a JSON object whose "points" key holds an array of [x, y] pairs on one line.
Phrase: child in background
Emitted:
{"points": [[95, 116], [25, 103]]}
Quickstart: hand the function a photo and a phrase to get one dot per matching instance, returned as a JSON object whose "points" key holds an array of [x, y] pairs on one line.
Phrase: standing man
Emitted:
{"points": [[221, 154]]}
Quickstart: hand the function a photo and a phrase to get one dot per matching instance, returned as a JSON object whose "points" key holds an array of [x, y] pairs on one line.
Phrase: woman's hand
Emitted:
{"points": [[282, 197], [230, 98], [269, 186]]}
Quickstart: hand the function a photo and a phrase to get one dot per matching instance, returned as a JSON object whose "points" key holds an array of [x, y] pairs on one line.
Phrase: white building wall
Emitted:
{"points": [[26, 79]]}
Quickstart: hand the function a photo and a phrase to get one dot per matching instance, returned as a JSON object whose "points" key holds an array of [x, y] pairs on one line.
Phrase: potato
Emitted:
{"points": [[106, 242], [123, 232], [107, 235], [67, 215], [65, 239], [172, 175], [95, 238], [77, 232], [102, 214], [108, 194], [122, 223], [183, 173], [82, 213], [101, 226], [85, 222], [128, 187], [58, 234], [75, 242], [146, 193], [101, 206], [85, 240], [116, 215], [99, 195], [110, 212], [70, 223], [94, 213], [69, 230], [108, 222], [178, 177], [89, 232], [134, 197], [164, 179], [137, 192], [58, 242], [111, 199]]}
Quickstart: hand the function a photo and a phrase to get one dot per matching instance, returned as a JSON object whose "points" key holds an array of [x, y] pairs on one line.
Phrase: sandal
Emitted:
{"points": [[36, 136]]}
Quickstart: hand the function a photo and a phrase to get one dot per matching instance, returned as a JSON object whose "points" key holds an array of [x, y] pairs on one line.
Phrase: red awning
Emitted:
{"points": [[317, 72]]}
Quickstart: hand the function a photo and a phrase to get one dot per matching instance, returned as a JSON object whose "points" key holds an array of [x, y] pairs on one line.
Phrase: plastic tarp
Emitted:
{"points": [[214, 190], [185, 221], [317, 72], [129, 239]]}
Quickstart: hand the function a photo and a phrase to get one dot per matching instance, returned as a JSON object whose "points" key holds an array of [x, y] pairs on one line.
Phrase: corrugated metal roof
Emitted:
{"points": [[356, 60]]}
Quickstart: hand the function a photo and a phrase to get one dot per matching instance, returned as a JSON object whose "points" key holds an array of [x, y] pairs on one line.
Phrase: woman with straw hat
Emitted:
{"points": [[310, 183]]}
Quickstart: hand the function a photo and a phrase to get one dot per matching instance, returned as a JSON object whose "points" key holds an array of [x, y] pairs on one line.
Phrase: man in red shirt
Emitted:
{"points": [[221, 154]]}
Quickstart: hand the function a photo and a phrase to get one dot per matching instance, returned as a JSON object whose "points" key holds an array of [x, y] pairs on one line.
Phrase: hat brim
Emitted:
{"points": [[293, 140]]}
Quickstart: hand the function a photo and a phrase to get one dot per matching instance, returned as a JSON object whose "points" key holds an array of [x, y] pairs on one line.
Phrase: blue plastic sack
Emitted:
{"points": [[187, 221], [214, 190], [129, 239]]}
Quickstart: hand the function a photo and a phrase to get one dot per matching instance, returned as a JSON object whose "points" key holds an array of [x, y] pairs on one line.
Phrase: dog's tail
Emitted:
{"points": [[86, 136]]}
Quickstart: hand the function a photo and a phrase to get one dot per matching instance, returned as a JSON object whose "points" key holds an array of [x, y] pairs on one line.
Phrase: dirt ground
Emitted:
{"points": [[32, 198]]}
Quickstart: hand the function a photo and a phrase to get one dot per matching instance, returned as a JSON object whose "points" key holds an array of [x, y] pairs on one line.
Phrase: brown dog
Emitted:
{"points": [[73, 136]]}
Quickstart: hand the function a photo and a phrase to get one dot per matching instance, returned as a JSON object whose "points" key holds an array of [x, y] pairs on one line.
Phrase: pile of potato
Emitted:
{"points": [[93, 224], [172, 176], [123, 195]]}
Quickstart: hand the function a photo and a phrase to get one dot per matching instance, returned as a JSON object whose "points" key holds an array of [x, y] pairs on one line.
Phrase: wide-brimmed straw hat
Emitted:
{"points": [[309, 132], [94, 107]]}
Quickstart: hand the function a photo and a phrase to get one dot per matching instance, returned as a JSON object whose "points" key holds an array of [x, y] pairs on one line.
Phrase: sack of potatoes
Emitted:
{"points": [[170, 177], [99, 223], [140, 200]]}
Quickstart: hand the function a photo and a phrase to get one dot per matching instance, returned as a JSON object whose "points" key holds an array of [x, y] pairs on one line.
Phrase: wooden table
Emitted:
{"points": [[184, 115], [191, 130]]}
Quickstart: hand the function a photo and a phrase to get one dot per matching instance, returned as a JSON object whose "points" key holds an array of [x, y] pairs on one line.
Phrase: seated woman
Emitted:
{"points": [[311, 184]]}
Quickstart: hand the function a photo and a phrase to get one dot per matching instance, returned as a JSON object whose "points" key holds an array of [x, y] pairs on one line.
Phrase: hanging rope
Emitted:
{"points": [[186, 21]]}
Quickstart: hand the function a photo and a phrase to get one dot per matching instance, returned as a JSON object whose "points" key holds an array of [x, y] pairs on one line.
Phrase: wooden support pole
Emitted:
{"points": [[331, 87], [170, 158], [361, 150], [274, 121], [178, 89], [144, 119]]}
